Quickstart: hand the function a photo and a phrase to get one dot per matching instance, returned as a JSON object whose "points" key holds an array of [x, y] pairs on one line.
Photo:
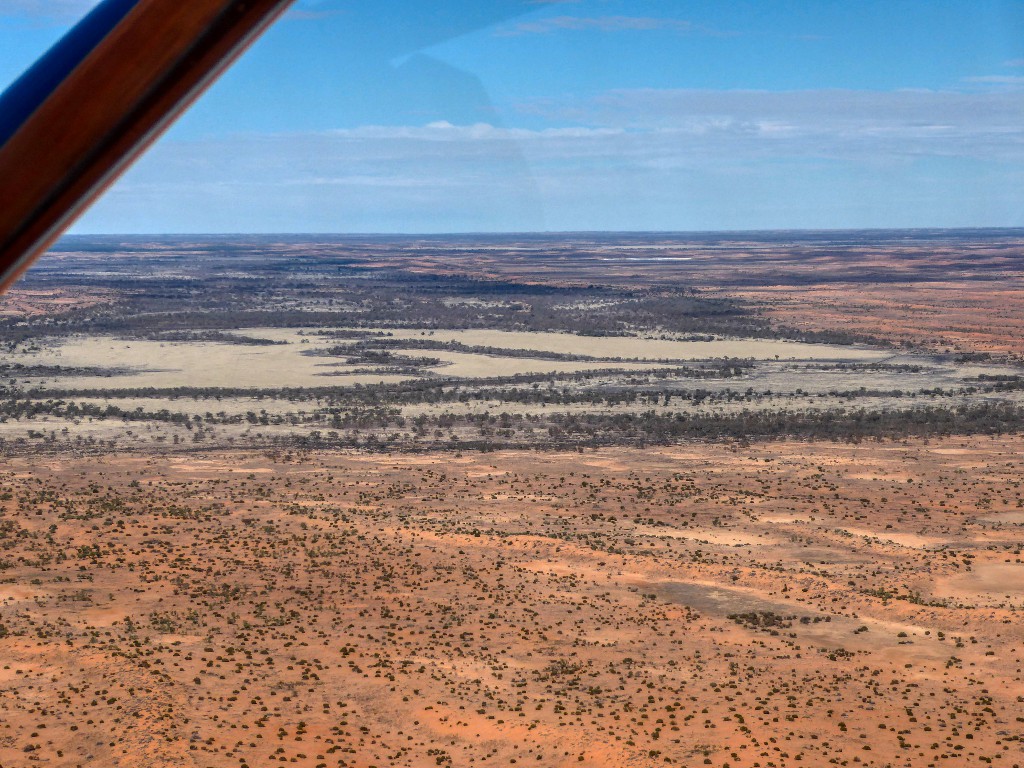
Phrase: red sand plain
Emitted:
{"points": [[757, 606]]}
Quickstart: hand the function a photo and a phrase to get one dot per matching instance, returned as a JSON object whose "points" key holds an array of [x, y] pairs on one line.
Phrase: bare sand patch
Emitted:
{"points": [[187, 364], [986, 581], [784, 519], [1008, 518], [716, 537], [903, 539], [16, 593], [650, 349], [471, 366]]}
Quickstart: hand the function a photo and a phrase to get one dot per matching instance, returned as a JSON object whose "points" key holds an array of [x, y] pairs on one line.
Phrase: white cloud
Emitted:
{"points": [[597, 23], [806, 123], [443, 131], [418, 178], [307, 14], [996, 79], [628, 159]]}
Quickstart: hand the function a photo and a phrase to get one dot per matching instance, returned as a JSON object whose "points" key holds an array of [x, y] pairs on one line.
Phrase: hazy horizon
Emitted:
{"points": [[543, 233], [591, 115]]}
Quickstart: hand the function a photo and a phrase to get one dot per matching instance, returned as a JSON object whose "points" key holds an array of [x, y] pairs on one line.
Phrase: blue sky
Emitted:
{"points": [[522, 115]]}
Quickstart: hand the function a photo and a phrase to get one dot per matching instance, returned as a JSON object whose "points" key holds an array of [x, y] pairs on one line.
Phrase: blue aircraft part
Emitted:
{"points": [[30, 90]]}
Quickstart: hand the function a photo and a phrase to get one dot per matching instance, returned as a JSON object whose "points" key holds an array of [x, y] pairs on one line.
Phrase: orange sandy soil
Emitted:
{"points": [[516, 609], [945, 316], [22, 302]]}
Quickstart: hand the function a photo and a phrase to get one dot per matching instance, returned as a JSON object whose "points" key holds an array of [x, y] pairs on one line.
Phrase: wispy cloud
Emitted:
{"points": [[996, 79], [439, 177], [448, 132], [304, 14], [1014, 63], [702, 161], [679, 132], [645, 158], [722, 126], [597, 24]]}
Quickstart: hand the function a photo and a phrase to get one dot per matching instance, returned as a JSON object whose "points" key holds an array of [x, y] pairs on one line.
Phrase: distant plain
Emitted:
{"points": [[739, 500]]}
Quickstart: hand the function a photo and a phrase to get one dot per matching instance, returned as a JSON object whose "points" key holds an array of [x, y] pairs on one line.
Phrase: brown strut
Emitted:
{"points": [[143, 74]]}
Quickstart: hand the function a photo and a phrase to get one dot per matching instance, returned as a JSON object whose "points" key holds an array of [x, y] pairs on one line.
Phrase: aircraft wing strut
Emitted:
{"points": [[81, 115]]}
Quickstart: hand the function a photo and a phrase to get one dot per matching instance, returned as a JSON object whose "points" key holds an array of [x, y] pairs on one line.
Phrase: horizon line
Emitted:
{"points": [[555, 233]]}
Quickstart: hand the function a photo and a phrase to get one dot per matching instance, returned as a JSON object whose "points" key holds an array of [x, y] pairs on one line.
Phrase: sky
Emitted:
{"points": [[609, 115]]}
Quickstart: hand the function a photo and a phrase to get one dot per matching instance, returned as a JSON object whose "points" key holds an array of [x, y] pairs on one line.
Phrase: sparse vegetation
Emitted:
{"points": [[440, 546]]}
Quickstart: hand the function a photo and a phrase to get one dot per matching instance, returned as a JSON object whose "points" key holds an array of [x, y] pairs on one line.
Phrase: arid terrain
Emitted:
{"points": [[749, 501], [779, 604]]}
